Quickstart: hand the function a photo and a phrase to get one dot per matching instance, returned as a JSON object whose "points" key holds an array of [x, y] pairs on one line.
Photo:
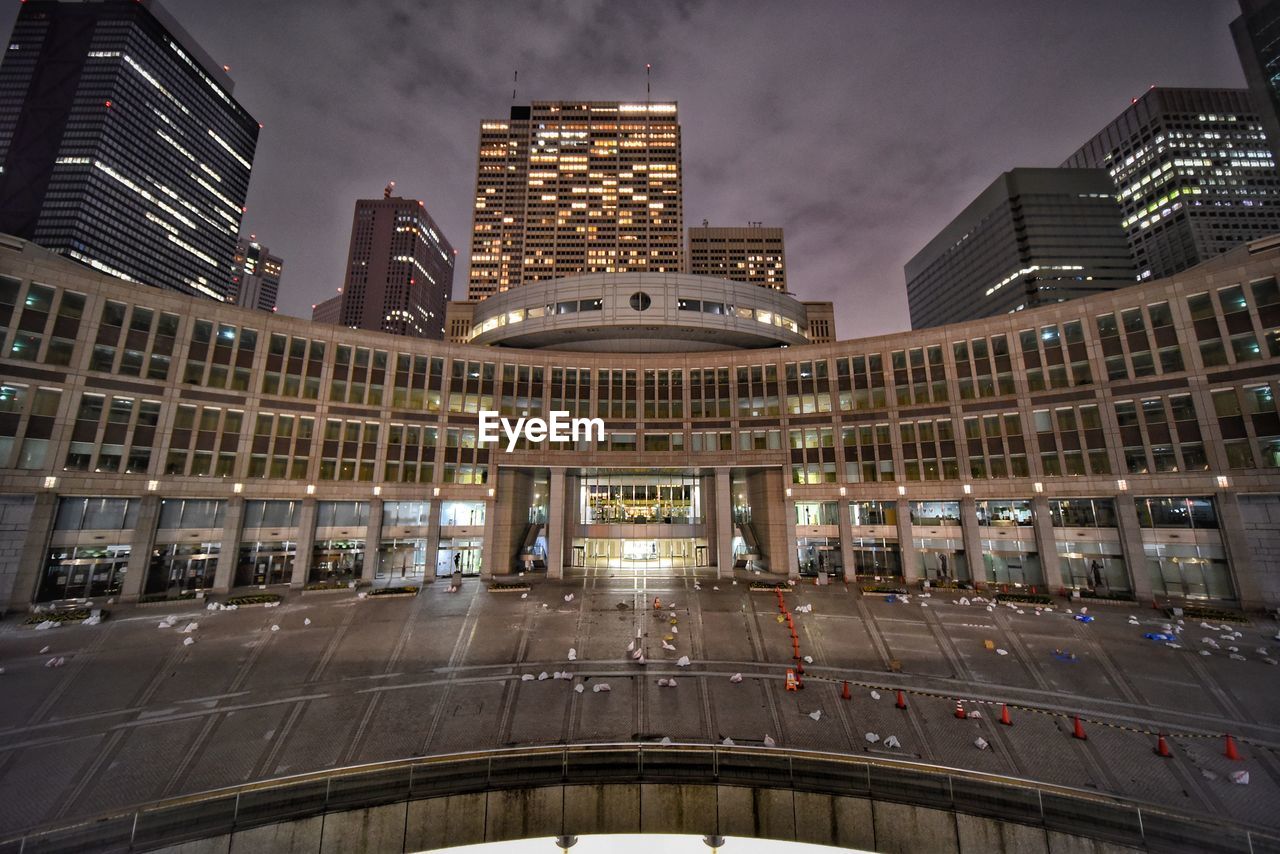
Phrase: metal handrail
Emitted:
{"points": [[217, 811]]}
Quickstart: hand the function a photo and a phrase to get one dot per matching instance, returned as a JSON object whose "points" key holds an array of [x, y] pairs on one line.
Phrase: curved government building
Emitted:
{"points": [[1124, 445]]}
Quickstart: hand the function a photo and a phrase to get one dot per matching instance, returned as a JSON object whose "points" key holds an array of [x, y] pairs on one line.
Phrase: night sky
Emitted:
{"points": [[859, 127]]}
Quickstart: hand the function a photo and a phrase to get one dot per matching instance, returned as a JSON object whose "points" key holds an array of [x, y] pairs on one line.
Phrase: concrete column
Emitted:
{"points": [[1135, 556], [372, 540], [723, 496], [306, 542], [229, 556], [433, 538], [555, 524], [846, 538], [1046, 544], [972, 539], [491, 555], [144, 541], [789, 536], [906, 545], [35, 548], [1243, 573]]}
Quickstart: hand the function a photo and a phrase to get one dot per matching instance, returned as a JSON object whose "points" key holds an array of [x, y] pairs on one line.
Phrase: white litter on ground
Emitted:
{"points": [[1002, 651], [1240, 778], [573, 654], [666, 741], [981, 743], [46, 625], [543, 676], [683, 661], [808, 659], [188, 641], [601, 688], [816, 715], [735, 678], [728, 742], [875, 695], [44, 649], [527, 677], [892, 741], [871, 737], [275, 628], [568, 597], [189, 628], [668, 646], [769, 742], [579, 688]]}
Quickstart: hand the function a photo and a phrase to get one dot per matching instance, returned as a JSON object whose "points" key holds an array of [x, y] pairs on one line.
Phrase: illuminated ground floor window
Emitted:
{"points": [[77, 572]]}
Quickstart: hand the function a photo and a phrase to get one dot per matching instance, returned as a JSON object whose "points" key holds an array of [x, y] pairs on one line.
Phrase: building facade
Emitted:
{"points": [[752, 254], [327, 311], [399, 269], [570, 187], [1257, 37], [256, 274], [1034, 237], [1121, 445], [122, 146], [1194, 174]]}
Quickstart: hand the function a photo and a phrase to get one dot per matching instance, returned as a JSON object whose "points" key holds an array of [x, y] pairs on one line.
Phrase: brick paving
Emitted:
{"points": [[134, 715]]}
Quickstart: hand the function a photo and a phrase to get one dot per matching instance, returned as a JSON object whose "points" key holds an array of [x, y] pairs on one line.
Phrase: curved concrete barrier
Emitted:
{"points": [[831, 799]]}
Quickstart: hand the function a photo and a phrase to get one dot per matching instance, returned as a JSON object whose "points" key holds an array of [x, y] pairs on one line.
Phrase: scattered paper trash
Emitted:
{"points": [[631, 646], [808, 659], [769, 742], [275, 628], [524, 595], [527, 677], [683, 661], [306, 621], [189, 628], [981, 743], [568, 597], [875, 695], [188, 641], [728, 742], [55, 662], [1002, 651], [543, 676], [666, 741], [975, 714], [735, 678], [892, 741], [871, 737], [1240, 778], [573, 654], [816, 715], [668, 646], [579, 688], [601, 688], [44, 649]]}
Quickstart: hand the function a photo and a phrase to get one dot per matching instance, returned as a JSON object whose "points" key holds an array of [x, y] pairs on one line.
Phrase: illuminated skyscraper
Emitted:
{"points": [[753, 254], [399, 269], [1194, 174], [571, 187], [122, 146], [256, 274]]}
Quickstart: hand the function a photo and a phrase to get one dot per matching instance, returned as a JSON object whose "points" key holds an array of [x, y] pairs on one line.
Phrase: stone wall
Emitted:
{"points": [[15, 519], [1261, 517]]}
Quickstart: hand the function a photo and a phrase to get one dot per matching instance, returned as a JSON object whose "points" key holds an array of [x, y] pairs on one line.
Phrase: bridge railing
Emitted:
{"points": [[1056, 808]]}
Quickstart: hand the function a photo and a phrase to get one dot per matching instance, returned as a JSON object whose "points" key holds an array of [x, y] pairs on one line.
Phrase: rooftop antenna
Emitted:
{"points": [[389, 189], [647, 69], [515, 78]]}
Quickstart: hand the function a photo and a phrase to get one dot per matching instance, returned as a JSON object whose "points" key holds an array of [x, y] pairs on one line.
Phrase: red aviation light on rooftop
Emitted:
{"points": [[106, 104]]}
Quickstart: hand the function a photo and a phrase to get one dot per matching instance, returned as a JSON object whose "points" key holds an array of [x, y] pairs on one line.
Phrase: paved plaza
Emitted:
{"points": [[99, 717]]}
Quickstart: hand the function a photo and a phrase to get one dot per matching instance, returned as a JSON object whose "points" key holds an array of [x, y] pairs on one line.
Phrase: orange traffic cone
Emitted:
{"points": [[1231, 752], [800, 666], [1004, 715], [960, 710], [1078, 730], [902, 701], [1162, 747], [844, 694]]}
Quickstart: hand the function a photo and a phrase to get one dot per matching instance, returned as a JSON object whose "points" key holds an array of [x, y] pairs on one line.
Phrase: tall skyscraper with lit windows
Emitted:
{"points": [[399, 269], [122, 146], [571, 187], [1193, 173]]}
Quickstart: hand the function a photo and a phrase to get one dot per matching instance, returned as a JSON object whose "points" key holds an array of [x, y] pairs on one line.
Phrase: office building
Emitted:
{"points": [[753, 254], [1257, 37], [256, 274], [1034, 237], [399, 274], [328, 311], [571, 187], [1193, 172], [1122, 445], [122, 145]]}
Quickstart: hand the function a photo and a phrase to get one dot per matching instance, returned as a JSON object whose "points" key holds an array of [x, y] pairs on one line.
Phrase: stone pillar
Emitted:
{"points": [[723, 495], [306, 543], [35, 549], [846, 538], [140, 548], [433, 539], [372, 541], [1046, 544], [1135, 556], [556, 523], [1232, 530], [907, 545], [491, 554], [789, 537], [972, 539], [229, 555]]}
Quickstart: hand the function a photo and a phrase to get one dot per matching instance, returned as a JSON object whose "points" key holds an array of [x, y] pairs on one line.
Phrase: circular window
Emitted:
{"points": [[640, 301]]}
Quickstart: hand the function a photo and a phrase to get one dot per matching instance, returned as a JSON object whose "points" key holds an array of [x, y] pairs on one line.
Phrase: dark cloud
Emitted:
{"points": [[860, 127]]}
